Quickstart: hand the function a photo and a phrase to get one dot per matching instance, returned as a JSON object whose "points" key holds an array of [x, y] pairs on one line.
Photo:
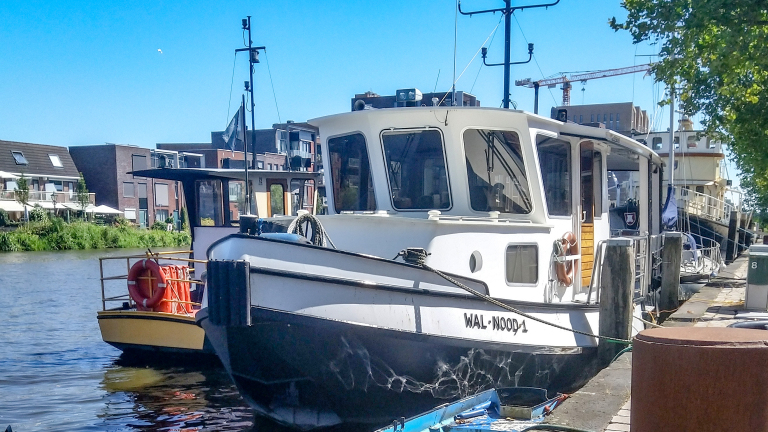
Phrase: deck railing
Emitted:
{"points": [[112, 292], [700, 204]]}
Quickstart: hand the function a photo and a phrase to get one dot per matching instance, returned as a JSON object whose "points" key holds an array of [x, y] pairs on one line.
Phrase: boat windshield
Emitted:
{"points": [[351, 174], [496, 172], [416, 170]]}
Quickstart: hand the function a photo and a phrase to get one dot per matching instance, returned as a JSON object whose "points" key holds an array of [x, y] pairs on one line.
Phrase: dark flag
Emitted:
{"points": [[234, 132]]}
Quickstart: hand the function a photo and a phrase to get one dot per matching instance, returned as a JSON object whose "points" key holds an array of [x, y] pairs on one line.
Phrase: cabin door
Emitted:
{"points": [[587, 240]]}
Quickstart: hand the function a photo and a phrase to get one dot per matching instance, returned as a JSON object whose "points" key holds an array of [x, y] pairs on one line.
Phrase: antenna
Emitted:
{"points": [[507, 10]]}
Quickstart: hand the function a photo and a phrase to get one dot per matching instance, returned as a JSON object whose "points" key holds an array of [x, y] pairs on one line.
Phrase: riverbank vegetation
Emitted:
{"points": [[56, 234]]}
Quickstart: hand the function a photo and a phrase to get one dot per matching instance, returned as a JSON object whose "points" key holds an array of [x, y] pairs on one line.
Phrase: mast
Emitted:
{"points": [[245, 157], [507, 10]]}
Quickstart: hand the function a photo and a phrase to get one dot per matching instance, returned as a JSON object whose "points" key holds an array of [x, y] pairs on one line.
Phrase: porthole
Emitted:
{"points": [[475, 262]]}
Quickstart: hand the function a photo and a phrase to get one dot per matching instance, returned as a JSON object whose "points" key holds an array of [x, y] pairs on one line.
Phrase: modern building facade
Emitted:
{"points": [[624, 117]]}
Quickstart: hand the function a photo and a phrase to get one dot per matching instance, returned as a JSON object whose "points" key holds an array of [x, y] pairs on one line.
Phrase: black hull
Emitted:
{"points": [[361, 374]]}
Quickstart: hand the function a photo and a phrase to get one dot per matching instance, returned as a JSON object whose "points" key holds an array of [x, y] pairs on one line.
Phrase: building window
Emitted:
{"points": [[555, 162], [581, 119], [496, 172], [351, 174], [128, 190], [522, 263], [260, 164], [161, 194], [592, 118], [55, 161], [139, 162], [418, 179], [161, 215], [618, 122], [70, 186], [269, 166], [657, 143], [176, 190], [19, 158], [130, 214]]}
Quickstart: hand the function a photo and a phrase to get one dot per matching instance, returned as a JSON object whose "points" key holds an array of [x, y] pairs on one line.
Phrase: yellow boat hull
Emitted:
{"points": [[130, 330]]}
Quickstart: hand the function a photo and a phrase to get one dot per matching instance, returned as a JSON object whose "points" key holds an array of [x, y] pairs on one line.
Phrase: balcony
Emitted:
{"points": [[300, 153], [50, 200]]}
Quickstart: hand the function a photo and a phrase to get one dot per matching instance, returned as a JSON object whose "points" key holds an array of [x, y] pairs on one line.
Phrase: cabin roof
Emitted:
{"points": [[362, 118]]}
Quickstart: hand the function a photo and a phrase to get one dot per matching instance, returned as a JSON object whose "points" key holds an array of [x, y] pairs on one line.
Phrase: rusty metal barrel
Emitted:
{"points": [[700, 379]]}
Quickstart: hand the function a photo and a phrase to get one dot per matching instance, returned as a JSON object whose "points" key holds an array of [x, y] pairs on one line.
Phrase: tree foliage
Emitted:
{"points": [[716, 55], [83, 196], [22, 190]]}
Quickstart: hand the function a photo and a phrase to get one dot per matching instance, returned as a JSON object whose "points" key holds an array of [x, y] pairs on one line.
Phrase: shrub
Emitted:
{"points": [[4, 218], [158, 226], [38, 214]]}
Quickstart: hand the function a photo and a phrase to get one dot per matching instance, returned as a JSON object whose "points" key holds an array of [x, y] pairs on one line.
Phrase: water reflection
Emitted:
{"points": [[174, 398]]}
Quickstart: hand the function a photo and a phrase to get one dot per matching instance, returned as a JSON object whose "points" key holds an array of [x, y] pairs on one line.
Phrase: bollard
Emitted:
{"points": [[671, 254], [616, 287]]}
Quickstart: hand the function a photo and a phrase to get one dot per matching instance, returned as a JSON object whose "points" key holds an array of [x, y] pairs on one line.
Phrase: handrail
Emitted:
{"points": [[701, 204], [157, 256]]}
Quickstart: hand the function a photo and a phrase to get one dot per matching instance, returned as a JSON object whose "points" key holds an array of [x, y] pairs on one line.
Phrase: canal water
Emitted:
{"points": [[56, 374]]}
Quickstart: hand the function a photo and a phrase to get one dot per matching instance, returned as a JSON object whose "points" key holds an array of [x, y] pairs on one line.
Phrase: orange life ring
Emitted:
{"points": [[564, 269], [137, 281]]}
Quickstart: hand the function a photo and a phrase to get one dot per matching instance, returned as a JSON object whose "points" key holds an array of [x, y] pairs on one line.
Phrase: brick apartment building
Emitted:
{"points": [[142, 200]]}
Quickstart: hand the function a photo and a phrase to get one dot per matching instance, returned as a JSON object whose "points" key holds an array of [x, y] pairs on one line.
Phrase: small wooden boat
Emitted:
{"points": [[164, 325]]}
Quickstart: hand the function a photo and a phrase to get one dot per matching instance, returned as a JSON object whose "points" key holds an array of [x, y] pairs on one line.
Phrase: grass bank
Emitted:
{"points": [[56, 234]]}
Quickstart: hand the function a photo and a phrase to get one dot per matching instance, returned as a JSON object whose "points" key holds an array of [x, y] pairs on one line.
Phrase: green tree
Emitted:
{"points": [[715, 54], [22, 190], [83, 196]]}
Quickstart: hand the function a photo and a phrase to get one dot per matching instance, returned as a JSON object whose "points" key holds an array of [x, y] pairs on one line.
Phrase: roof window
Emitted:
{"points": [[55, 161], [19, 158]]}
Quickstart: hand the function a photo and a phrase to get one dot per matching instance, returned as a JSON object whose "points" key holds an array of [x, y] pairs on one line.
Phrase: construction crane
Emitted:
{"points": [[582, 77]]}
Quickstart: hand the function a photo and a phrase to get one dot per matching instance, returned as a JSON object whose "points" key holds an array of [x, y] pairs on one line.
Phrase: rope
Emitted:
{"points": [[319, 236], [418, 257]]}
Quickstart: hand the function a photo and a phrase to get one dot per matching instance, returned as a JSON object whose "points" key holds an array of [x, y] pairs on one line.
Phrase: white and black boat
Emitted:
{"points": [[509, 204]]}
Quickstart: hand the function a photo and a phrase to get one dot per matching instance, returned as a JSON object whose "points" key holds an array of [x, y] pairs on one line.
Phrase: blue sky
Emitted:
{"points": [[88, 72]]}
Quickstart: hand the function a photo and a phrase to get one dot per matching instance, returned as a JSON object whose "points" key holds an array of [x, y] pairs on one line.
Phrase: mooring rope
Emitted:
{"points": [[418, 257], [319, 236]]}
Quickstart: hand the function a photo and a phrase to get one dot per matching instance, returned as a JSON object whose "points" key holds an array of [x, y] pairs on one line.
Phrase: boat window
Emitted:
{"points": [[302, 195], [522, 263], [496, 171], [276, 199], [236, 190], [416, 170], [209, 203], [555, 163], [597, 171], [351, 174]]}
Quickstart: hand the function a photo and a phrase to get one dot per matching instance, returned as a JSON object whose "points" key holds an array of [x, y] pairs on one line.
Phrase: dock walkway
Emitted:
{"points": [[603, 404]]}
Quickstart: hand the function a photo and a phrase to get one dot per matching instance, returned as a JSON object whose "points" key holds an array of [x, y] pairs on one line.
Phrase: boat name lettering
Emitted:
{"points": [[472, 320]]}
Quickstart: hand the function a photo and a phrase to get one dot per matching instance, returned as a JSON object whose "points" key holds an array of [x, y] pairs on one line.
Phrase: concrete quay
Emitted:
{"points": [[604, 404]]}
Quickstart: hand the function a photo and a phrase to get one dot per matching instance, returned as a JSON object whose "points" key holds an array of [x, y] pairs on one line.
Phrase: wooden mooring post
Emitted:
{"points": [[671, 254], [617, 283]]}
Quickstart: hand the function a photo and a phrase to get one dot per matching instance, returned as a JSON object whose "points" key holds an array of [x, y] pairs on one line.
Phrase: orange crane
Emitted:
{"points": [[582, 77]]}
